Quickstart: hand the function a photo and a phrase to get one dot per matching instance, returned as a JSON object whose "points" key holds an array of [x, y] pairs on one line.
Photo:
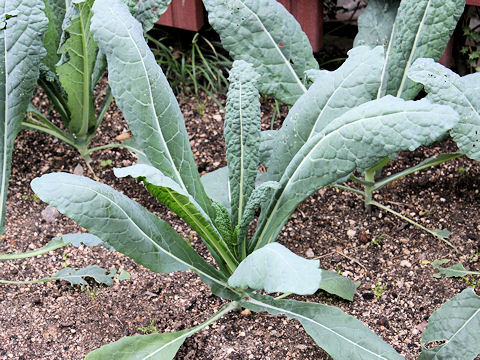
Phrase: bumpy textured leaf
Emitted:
{"points": [[267, 142], [79, 52], [337, 284], [274, 268], [122, 223], [265, 34], [331, 95], [144, 96], [259, 196], [223, 223], [242, 135], [358, 139], [422, 29], [55, 14], [457, 270], [376, 23], [217, 186], [461, 93], [169, 193], [457, 323], [77, 276], [148, 12], [22, 24], [339, 334]]}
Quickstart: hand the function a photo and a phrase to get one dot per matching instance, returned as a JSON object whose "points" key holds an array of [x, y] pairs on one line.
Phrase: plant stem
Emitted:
{"points": [[9, 282], [343, 187], [284, 295], [386, 208], [29, 254], [369, 177], [39, 123], [113, 145]]}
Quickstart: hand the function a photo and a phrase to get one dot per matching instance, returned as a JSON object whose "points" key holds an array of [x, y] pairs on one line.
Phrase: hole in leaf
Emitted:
{"points": [[433, 344]]}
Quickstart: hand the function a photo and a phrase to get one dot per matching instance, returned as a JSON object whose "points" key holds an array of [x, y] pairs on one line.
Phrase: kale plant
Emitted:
{"points": [[407, 31], [49, 42], [352, 138], [415, 34]]}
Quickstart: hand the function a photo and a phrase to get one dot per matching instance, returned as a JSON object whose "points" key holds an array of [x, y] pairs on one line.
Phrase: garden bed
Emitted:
{"points": [[390, 258]]}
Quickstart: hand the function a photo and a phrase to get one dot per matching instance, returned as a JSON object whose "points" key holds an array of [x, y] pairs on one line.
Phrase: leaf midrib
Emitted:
{"points": [[449, 340], [86, 78], [5, 128], [152, 107], [340, 86], [287, 63], [304, 318], [414, 48], [306, 157], [145, 236], [242, 156]]}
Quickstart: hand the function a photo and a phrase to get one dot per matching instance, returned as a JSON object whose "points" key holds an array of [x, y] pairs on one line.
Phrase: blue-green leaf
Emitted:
{"points": [[259, 196], [148, 12], [461, 93], [140, 347], [153, 346], [169, 193], [376, 23], [143, 94], [457, 270], [217, 186], [358, 139], [123, 223], [242, 135], [77, 276], [332, 94], [456, 329], [274, 268], [58, 242], [55, 12], [339, 334], [267, 143], [22, 25], [422, 29], [265, 34], [337, 284]]}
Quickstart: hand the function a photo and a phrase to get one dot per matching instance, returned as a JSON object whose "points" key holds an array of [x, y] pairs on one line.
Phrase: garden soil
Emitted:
{"points": [[389, 257]]}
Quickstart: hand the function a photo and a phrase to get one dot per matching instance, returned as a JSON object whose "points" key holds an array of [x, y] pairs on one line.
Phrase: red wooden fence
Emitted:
{"points": [[473, 2], [189, 15], [184, 14]]}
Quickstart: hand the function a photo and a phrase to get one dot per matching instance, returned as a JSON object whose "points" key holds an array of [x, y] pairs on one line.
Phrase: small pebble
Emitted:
{"points": [[246, 312], [351, 233], [405, 263], [50, 214], [78, 170], [309, 253]]}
